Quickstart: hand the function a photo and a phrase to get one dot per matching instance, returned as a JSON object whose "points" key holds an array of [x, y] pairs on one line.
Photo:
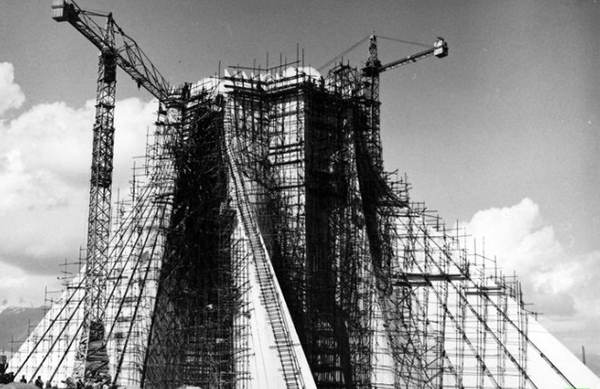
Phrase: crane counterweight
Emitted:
{"points": [[63, 11], [440, 48]]}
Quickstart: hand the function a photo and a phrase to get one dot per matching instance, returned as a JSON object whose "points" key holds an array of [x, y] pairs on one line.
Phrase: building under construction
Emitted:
{"points": [[265, 246]]}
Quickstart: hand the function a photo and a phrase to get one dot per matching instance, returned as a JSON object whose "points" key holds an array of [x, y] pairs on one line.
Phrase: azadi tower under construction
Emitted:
{"points": [[265, 246]]}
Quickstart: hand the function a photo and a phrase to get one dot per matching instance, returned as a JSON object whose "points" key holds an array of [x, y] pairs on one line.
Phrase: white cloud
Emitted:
{"points": [[45, 157], [11, 95], [562, 285], [516, 235]]}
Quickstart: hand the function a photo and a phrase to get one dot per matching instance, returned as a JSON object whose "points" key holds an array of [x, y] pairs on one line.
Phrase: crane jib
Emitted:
{"points": [[127, 53]]}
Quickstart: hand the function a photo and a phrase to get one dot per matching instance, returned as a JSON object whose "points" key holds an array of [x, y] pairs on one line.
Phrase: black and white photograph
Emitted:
{"points": [[266, 194]]}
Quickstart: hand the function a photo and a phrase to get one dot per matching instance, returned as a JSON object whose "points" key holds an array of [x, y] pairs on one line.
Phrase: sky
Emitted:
{"points": [[502, 135]]}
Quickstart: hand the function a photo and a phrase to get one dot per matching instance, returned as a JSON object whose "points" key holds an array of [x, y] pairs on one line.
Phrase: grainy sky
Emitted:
{"points": [[503, 134]]}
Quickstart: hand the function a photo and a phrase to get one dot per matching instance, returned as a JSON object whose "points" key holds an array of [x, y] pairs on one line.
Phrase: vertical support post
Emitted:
{"points": [[91, 358], [371, 94]]}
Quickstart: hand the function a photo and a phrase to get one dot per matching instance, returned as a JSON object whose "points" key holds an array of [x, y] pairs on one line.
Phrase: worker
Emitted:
{"points": [[7, 378], [3, 364], [39, 383], [70, 383], [23, 379]]}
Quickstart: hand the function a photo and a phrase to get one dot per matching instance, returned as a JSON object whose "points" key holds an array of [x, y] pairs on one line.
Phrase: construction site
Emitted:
{"points": [[263, 245]]}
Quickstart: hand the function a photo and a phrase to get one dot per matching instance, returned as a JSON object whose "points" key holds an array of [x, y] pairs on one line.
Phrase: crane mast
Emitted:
{"points": [[116, 49], [92, 346], [373, 187]]}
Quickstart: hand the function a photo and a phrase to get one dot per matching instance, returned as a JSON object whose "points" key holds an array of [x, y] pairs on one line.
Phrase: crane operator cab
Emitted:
{"points": [[440, 48]]}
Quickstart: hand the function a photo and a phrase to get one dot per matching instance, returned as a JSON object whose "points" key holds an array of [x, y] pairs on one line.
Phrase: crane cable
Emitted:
{"points": [[404, 41], [343, 53]]}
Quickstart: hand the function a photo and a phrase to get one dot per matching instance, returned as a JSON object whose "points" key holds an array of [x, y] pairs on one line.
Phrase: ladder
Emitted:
{"points": [[270, 294]]}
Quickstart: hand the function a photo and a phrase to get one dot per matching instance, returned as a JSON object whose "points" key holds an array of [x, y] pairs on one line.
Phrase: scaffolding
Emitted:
{"points": [[263, 230]]}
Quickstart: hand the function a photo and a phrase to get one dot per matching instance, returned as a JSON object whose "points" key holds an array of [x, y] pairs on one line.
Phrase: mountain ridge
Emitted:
{"points": [[15, 324]]}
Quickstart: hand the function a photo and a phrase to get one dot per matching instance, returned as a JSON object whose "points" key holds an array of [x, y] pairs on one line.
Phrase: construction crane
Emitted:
{"points": [[373, 187], [116, 49], [372, 70], [439, 50], [373, 67]]}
